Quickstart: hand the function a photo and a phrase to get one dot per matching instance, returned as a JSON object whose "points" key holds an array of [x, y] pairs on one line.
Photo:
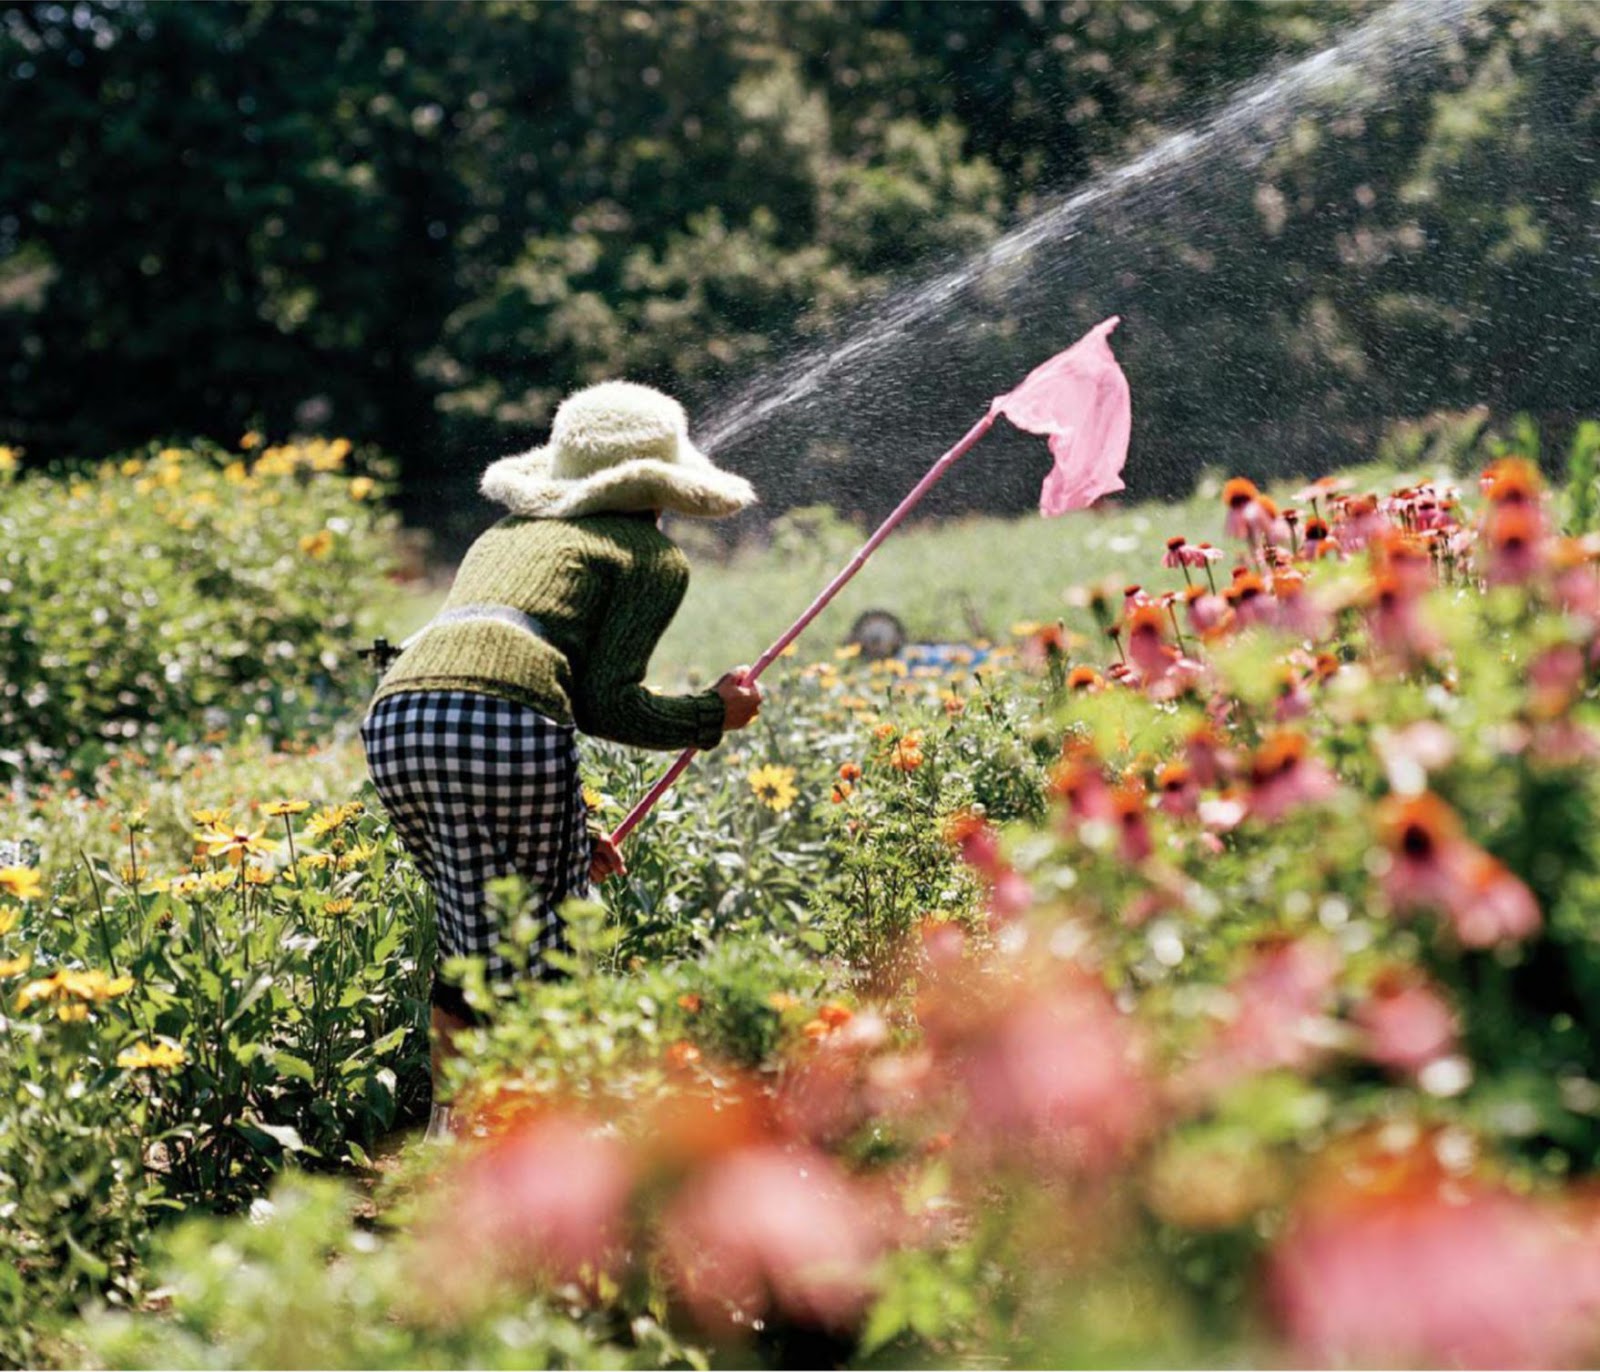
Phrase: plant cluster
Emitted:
{"points": [[179, 591], [1213, 980], [173, 1036]]}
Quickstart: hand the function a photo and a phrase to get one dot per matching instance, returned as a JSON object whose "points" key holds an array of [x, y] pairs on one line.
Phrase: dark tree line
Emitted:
{"points": [[421, 224]]}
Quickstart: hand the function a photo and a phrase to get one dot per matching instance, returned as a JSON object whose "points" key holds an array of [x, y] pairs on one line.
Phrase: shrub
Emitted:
{"points": [[179, 590]]}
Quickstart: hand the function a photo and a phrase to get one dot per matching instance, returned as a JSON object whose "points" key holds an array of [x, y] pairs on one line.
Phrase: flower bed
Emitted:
{"points": [[1210, 976]]}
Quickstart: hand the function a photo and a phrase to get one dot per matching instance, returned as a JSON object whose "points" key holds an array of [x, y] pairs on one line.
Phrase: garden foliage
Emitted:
{"points": [[179, 591], [1208, 976]]}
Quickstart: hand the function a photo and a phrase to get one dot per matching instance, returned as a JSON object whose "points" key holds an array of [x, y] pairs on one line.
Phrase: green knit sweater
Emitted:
{"points": [[603, 589]]}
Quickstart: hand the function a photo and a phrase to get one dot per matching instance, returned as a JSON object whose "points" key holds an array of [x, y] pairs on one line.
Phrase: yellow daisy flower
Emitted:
{"points": [[159, 1057], [774, 786], [237, 844], [355, 857], [72, 992], [21, 883]]}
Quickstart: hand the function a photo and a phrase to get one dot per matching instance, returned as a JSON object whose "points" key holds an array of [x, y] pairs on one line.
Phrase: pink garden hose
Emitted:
{"points": [[648, 800]]}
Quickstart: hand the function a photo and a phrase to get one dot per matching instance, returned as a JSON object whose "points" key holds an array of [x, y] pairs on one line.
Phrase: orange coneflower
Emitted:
{"points": [[1129, 811], [1248, 598], [1085, 679], [1404, 557], [1147, 643], [1246, 513], [1514, 533], [1510, 481]]}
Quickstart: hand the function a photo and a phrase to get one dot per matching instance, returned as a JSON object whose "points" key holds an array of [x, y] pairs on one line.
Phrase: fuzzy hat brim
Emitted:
{"points": [[693, 486]]}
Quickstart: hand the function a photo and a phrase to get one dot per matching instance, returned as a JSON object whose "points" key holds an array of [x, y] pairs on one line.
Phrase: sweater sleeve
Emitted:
{"points": [[610, 699]]}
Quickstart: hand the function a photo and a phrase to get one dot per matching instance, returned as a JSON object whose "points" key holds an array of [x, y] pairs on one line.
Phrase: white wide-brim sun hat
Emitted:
{"points": [[616, 448]]}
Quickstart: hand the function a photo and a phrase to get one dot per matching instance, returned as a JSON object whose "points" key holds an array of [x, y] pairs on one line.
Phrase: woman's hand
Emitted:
{"points": [[740, 702], [605, 859]]}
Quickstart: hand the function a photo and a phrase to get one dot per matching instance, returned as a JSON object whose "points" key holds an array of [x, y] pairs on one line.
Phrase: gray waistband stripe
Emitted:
{"points": [[505, 613]]}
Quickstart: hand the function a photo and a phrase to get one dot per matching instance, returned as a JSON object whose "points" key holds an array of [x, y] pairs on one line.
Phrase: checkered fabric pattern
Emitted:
{"points": [[479, 787]]}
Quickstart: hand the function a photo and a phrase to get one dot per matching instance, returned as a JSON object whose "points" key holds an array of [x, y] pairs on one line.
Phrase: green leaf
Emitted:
{"points": [[286, 1136], [291, 1066]]}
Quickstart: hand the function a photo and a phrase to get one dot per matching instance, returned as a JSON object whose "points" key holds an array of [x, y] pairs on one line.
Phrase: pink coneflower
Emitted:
{"points": [[1284, 776], [1044, 645], [1319, 541], [1323, 488], [772, 1229], [1010, 895], [1405, 1022], [1293, 700], [1252, 517], [1080, 780], [1395, 621], [1147, 646], [1392, 1260], [1132, 822], [1250, 513], [1555, 678], [1405, 559], [1175, 783], [1281, 1003], [1514, 537], [1577, 587], [1297, 611], [1248, 598], [976, 840], [944, 942], [1426, 848], [1495, 907], [1209, 614], [545, 1202], [1056, 1079], [1208, 759], [1359, 522], [1433, 508], [1085, 679], [1432, 865]]}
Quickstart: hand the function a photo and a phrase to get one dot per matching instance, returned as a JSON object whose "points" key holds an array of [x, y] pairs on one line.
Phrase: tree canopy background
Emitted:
{"points": [[422, 224]]}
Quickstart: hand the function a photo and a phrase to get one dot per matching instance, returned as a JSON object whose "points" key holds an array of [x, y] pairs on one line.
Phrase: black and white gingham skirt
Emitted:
{"points": [[477, 788]]}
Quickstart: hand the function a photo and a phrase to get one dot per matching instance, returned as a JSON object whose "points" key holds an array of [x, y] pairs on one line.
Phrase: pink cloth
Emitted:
{"points": [[1080, 399]]}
